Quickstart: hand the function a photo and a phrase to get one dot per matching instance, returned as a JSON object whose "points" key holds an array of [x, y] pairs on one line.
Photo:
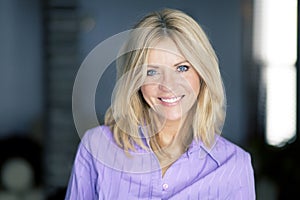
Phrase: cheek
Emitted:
{"points": [[194, 83], [196, 86], [147, 92]]}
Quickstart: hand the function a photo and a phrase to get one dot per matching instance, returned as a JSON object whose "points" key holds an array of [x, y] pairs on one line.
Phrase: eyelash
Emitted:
{"points": [[152, 72], [181, 66]]}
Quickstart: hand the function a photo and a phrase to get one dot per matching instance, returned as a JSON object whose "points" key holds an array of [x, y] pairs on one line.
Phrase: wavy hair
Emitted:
{"points": [[129, 111]]}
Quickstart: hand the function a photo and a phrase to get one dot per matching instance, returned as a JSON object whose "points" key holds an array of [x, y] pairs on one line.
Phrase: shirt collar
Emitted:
{"points": [[195, 146], [144, 136], [203, 151]]}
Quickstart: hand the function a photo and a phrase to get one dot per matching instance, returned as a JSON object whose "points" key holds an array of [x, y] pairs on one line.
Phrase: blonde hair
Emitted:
{"points": [[129, 111]]}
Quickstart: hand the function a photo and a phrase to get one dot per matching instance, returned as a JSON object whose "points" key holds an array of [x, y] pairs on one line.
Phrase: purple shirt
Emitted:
{"points": [[103, 171]]}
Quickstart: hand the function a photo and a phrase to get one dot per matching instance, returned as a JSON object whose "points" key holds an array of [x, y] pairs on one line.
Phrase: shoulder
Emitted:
{"points": [[95, 141], [97, 132], [93, 138], [225, 151], [87, 166], [97, 136], [100, 144], [235, 163]]}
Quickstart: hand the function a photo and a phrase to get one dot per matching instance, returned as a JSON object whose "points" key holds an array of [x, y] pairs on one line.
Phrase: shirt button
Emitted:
{"points": [[165, 186]]}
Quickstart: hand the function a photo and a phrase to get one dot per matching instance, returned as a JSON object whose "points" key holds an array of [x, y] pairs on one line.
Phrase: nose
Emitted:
{"points": [[168, 81]]}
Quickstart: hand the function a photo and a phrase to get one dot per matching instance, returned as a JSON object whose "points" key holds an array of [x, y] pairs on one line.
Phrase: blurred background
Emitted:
{"points": [[44, 42]]}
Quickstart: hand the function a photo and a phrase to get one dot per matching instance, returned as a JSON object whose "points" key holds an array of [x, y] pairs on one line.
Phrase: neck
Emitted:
{"points": [[168, 133]]}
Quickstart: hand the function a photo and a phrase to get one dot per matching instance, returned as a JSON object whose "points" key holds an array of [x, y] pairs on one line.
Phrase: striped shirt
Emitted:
{"points": [[102, 170]]}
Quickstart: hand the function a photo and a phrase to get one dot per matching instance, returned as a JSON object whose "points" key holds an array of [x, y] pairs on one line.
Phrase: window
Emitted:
{"points": [[275, 49]]}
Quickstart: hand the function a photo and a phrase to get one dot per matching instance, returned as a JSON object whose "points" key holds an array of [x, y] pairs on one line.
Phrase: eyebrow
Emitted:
{"points": [[184, 61], [153, 66], [157, 66]]}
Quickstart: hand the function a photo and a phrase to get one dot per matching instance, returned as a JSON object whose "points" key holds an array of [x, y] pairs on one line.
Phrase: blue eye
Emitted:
{"points": [[151, 72], [182, 68]]}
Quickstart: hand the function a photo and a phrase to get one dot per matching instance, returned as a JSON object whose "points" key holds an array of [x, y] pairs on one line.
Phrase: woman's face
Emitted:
{"points": [[172, 85]]}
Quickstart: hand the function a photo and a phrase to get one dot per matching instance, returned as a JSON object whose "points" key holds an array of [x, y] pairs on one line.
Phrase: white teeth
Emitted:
{"points": [[171, 100]]}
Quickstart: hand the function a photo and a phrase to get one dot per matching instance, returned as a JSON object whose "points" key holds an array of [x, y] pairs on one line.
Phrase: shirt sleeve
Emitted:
{"points": [[82, 180], [246, 191]]}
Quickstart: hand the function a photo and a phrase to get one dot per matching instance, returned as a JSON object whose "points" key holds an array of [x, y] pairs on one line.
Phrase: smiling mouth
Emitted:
{"points": [[171, 100]]}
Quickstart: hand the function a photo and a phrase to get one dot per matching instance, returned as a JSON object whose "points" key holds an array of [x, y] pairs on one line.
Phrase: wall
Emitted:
{"points": [[21, 95]]}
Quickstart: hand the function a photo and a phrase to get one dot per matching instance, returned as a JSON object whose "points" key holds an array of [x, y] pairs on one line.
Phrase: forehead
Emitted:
{"points": [[165, 52]]}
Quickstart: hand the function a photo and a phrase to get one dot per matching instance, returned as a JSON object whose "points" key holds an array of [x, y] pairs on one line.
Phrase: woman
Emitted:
{"points": [[161, 138]]}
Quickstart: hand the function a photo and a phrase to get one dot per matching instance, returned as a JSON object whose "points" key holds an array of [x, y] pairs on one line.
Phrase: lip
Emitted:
{"points": [[170, 101]]}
